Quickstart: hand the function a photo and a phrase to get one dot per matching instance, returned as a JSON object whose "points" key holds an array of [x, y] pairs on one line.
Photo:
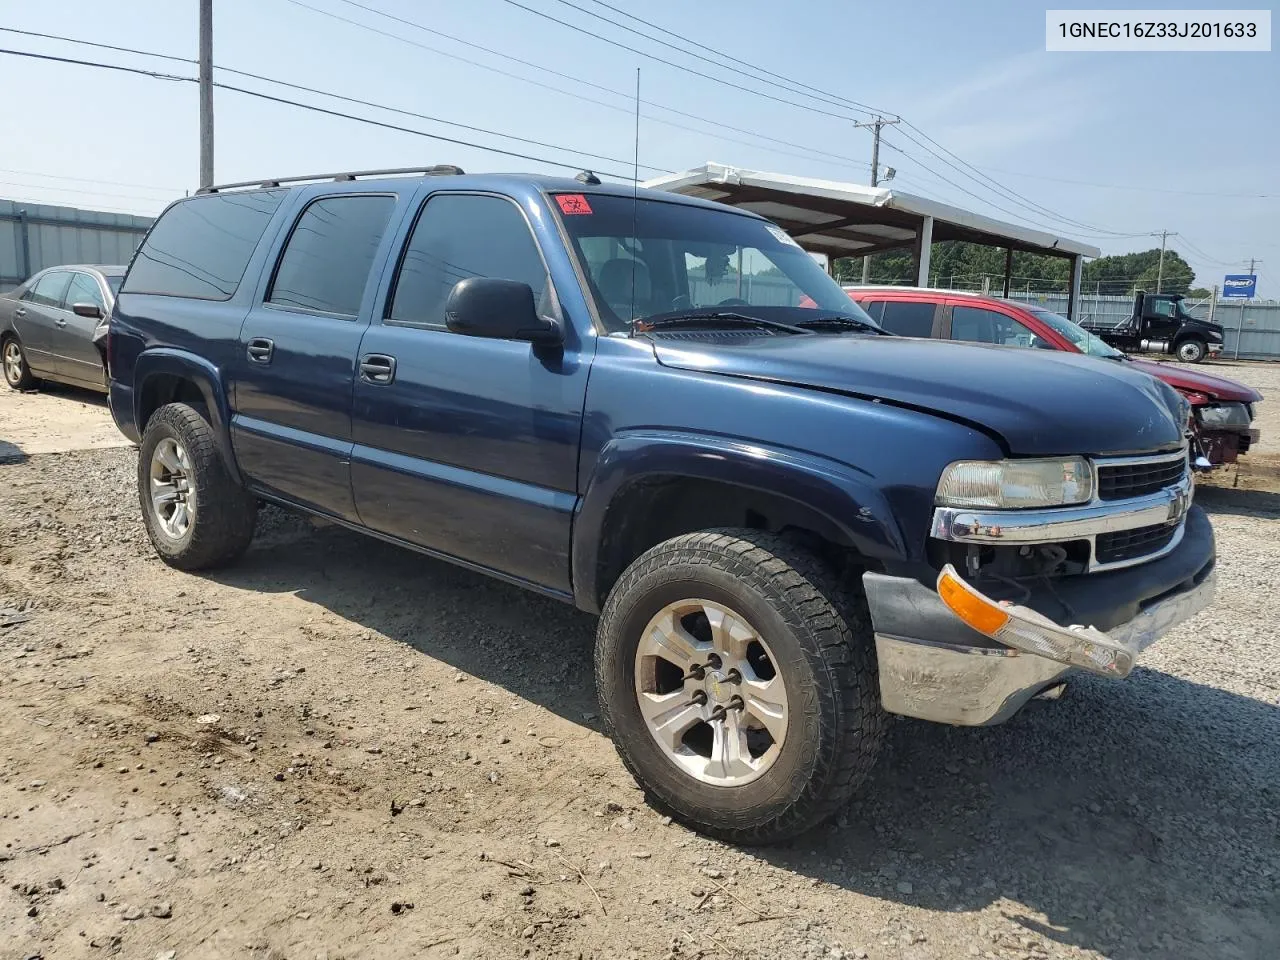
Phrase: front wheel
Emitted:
{"points": [[1191, 351], [195, 513], [17, 372], [739, 684]]}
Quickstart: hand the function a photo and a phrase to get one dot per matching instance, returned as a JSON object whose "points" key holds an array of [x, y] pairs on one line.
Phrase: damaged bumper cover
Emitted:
{"points": [[935, 666]]}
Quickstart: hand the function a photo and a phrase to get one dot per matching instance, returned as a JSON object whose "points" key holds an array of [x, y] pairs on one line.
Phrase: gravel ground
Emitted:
{"points": [[340, 749]]}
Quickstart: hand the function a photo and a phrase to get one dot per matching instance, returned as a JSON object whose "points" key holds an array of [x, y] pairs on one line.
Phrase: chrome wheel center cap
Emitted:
{"points": [[718, 687]]}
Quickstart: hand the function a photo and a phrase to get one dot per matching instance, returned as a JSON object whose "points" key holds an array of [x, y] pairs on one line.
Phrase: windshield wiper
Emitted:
{"points": [[839, 320], [662, 321]]}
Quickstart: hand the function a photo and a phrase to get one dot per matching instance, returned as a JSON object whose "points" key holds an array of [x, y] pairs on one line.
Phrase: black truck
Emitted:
{"points": [[1159, 323]]}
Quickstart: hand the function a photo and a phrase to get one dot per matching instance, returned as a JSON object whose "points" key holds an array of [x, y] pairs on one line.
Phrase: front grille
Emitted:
{"points": [[1122, 481], [1132, 544]]}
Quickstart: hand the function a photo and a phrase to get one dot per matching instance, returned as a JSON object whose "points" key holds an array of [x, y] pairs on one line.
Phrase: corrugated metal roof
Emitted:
{"points": [[848, 219]]}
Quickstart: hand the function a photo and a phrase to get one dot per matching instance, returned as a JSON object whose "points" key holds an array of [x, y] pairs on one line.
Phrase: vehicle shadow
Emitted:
{"points": [[1098, 821], [1239, 501], [11, 452], [94, 398]]}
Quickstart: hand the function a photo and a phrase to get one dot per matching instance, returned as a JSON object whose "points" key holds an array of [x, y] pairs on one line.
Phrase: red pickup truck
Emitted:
{"points": [[1222, 408]]}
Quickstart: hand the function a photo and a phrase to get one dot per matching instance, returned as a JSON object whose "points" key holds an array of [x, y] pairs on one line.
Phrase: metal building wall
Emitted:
{"points": [[36, 235]]}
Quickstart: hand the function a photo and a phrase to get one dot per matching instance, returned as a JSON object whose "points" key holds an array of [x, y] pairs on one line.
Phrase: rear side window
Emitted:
{"points": [[908, 318], [459, 236], [200, 247], [325, 265]]}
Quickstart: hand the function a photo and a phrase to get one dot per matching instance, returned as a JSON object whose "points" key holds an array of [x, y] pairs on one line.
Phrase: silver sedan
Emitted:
{"points": [[53, 326]]}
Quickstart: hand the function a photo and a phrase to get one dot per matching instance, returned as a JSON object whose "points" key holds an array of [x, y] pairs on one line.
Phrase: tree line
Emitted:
{"points": [[958, 264]]}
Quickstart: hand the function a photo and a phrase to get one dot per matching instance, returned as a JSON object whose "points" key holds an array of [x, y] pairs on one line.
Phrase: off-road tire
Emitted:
{"points": [[225, 513], [26, 380], [821, 634]]}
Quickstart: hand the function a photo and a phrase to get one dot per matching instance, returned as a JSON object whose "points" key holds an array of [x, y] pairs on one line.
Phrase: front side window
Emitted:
{"points": [[976, 325], [84, 289], [463, 235], [908, 318], [648, 258], [326, 262], [200, 248], [1086, 342], [49, 289]]}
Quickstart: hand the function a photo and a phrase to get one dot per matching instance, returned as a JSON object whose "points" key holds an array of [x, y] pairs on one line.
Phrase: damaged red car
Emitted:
{"points": [[1222, 409]]}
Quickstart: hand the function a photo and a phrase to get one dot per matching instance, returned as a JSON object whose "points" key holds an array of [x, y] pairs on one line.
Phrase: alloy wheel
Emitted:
{"points": [[13, 362], [172, 497], [710, 692]]}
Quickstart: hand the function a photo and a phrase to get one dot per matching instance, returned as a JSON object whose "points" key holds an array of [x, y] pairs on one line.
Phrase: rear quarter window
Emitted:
{"points": [[200, 247]]}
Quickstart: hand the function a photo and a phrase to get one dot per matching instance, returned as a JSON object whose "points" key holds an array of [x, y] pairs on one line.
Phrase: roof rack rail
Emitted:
{"points": [[438, 170]]}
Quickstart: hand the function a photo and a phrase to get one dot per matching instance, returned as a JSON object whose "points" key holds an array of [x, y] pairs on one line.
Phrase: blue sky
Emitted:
{"points": [[1184, 141]]}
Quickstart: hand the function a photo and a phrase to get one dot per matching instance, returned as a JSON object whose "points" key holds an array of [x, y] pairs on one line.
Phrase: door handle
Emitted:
{"points": [[20, 312], [59, 322], [260, 350], [377, 368]]}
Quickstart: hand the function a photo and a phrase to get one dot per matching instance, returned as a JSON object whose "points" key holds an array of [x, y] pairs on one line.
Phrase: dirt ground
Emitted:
{"points": [[340, 749], [55, 419]]}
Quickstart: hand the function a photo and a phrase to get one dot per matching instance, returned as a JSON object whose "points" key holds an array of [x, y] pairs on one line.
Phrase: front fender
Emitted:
{"points": [[846, 497], [167, 361]]}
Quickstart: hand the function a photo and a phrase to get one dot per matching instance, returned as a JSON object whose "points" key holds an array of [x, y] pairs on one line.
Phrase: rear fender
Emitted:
{"points": [[203, 375], [847, 498]]}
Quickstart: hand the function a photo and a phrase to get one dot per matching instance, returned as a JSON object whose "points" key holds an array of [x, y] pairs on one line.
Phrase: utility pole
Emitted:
{"points": [[874, 126], [206, 93], [1164, 236]]}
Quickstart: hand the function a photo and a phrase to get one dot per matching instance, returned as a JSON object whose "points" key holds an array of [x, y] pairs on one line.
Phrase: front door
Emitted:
{"points": [[295, 367], [78, 358], [469, 446], [1161, 319]]}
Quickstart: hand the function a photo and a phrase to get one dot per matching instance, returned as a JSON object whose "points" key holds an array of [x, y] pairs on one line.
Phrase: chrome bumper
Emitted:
{"points": [[976, 686]]}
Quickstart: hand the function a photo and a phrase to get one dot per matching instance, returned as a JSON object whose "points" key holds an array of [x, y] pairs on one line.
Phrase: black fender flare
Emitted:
{"points": [[846, 497], [204, 376]]}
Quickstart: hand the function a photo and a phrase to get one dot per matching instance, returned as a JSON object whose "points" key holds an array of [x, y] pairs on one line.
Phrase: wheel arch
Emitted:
{"points": [[166, 375], [647, 488]]}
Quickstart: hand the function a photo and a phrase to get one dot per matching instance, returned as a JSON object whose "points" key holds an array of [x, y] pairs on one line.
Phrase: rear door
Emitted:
{"points": [[295, 368], [469, 446], [78, 358], [36, 319]]}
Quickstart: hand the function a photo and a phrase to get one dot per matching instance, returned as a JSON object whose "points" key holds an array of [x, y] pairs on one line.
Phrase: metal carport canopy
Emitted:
{"points": [[851, 220]]}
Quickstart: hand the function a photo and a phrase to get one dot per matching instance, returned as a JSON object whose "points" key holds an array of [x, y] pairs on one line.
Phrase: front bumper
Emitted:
{"points": [[934, 667]]}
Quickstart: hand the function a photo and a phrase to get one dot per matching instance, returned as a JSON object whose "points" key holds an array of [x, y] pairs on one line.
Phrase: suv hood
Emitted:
{"points": [[1040, 403], [1216, 388]]}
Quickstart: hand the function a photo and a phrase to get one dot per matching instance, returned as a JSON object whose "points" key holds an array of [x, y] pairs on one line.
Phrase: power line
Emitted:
{"points": [[113, 183], [786, 84], [315, 109], [678, 66], [326, 93], [1129, 187], [93, 193], [809, 154]]}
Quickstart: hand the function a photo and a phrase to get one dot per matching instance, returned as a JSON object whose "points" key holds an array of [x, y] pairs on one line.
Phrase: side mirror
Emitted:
{"points": [[501, 309], [90, 310]]}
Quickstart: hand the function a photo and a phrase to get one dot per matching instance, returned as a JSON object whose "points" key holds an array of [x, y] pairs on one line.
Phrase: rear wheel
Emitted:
{"points": [[196, 515], [17, 372], [1191, 351], [739, 684]]}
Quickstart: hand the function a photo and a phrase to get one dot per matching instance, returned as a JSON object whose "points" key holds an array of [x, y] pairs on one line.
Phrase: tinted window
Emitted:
{"points": [[987, 326], [84, 289], [460, 236], [49, 289], [908, 318], [113, 281], [199, 248], [325, 265], [875, 309]]}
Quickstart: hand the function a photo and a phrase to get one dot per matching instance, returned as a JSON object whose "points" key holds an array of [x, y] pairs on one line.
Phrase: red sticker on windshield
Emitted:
{"points": [[572, 203]]}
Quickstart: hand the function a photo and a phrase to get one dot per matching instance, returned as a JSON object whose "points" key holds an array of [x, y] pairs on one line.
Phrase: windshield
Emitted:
{"points": [[1087, 342], [652, 257]]}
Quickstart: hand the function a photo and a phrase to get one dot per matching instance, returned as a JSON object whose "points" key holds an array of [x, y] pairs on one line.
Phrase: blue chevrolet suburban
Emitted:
{"points": [[791, 523]]}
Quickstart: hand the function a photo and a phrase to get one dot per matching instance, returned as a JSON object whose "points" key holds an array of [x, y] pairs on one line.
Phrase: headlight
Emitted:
{"points": [[1008, 484], [1224, 415]]}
